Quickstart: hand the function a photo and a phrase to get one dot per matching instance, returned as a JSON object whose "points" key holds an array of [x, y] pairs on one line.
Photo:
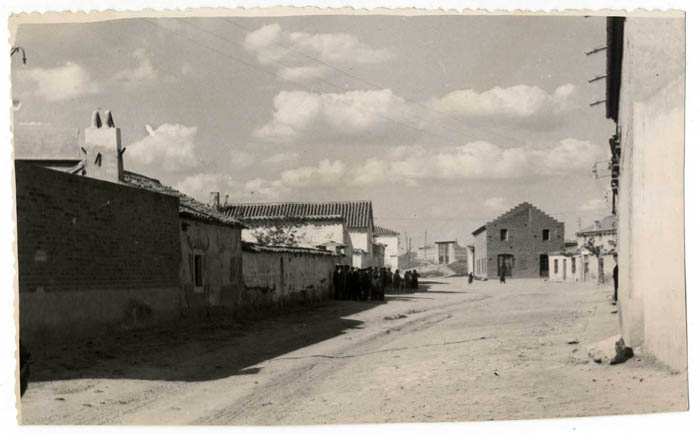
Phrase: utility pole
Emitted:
{"points": [[409, 252], [425, 246]]}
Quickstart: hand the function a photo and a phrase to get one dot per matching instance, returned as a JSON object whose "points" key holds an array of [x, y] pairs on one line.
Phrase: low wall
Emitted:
{"points": [[283, 277]]}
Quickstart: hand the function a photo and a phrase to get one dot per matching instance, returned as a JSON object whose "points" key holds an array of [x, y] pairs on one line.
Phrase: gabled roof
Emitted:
{"points": [[384, 232], [516, 209], [608, 224], [357, 214], [189, 207]]}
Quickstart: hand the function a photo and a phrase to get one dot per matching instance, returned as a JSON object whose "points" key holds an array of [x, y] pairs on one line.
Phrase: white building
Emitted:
{"points": [[390, 239], [600, 238]]}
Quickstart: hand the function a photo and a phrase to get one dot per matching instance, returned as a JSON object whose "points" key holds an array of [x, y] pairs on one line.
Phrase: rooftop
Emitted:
{"points": [[381, 231], [357, 214], [189, 207], [608, 224], [252, 247]]}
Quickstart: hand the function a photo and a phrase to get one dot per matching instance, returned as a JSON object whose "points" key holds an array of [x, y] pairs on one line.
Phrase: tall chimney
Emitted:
{"points": [[214, 199], [103, 150]]}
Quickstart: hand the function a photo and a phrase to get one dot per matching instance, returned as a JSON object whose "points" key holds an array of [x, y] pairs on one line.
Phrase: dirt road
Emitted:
{"points": [[453, 352]]}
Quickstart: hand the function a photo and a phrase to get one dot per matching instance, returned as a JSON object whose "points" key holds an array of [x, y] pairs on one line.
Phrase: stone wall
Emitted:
{"points": [[281, 278]]}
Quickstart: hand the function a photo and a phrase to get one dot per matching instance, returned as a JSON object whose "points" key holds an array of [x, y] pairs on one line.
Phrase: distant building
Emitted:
{"points": [[448, 252], [357, 215], [390, 239], [519, 242], [566, 266], [312, 231], [597, 245]]}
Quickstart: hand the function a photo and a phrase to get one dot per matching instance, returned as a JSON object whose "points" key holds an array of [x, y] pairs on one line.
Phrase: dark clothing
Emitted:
{"points": [[615, 282], [471, 278], [503, 276]]}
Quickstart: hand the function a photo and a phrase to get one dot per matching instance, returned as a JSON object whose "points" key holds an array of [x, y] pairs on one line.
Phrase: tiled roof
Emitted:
{"points": [[252, 247], [608, 224], [188, 206], [256, 219], [41, 142], [384, 232], [357, 214]]}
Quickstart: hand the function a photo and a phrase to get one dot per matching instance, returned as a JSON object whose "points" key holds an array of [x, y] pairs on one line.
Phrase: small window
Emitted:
{"points": [[504, 234], [545, 235], [198, 275], [556, 266]]}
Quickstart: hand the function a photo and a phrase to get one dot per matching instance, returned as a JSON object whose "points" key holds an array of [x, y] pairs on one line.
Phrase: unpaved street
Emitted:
{"points": [[451, 352]]}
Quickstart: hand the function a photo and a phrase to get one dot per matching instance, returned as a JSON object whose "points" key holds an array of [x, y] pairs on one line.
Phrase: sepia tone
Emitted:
{"points": [[250, 218]]}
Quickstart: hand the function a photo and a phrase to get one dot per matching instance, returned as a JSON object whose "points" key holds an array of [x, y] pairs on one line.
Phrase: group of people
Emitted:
{"points": [[352, 283]]}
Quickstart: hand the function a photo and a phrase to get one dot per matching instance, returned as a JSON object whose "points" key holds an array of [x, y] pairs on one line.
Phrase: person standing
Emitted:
{"points": [[615, 281], [397, 281], [503, 274]]}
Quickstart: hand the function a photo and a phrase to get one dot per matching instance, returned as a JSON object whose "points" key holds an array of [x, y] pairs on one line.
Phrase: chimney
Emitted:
{"points": [[102, 150], [214, 199]]}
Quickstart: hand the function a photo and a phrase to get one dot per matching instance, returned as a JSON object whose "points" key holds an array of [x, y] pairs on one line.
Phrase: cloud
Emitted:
{"points": [[171, 146], [142, 73], [63, 82], [303, 73], [495, 203], [337, 47], [309, 53], [241, 159], [282, 159], [300, 113], [201, 184], [411, 165], [520, 102], [380, 115], [327, 173], [478, 160]]}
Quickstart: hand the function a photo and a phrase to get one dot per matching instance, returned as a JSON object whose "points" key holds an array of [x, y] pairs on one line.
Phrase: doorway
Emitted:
{"points": [[544, 265], [505, 262], [563, 269]]}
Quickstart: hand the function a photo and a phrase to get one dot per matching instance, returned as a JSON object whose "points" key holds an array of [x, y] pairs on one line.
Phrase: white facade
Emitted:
{"points": [[651, 123], [391, 250]]}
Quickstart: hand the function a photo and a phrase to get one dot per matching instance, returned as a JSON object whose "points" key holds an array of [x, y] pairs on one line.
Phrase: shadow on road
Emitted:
{"points": [[195, 350]]}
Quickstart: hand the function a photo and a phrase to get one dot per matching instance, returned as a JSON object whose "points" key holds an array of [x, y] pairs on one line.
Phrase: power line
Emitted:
{"points": [[254, 66]]}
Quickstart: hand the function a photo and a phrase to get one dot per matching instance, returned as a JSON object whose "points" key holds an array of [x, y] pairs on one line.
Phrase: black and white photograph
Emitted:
{"points": [[271, 217]]}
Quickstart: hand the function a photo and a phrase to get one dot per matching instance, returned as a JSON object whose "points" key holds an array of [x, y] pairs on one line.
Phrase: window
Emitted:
{"points": [[504, 234], [198, 272], [573, 265], [556, 266], [545, 235]]}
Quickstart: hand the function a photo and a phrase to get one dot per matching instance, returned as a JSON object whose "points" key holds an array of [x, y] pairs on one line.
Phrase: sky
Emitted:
{"points": [[443, 122]]}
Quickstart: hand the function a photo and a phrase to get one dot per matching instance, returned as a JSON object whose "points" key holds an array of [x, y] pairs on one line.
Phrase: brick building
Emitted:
{"points": [[518, 241]]}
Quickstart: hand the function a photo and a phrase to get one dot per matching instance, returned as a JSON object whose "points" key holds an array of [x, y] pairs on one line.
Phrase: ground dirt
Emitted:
{"points": [[450, 352]]}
